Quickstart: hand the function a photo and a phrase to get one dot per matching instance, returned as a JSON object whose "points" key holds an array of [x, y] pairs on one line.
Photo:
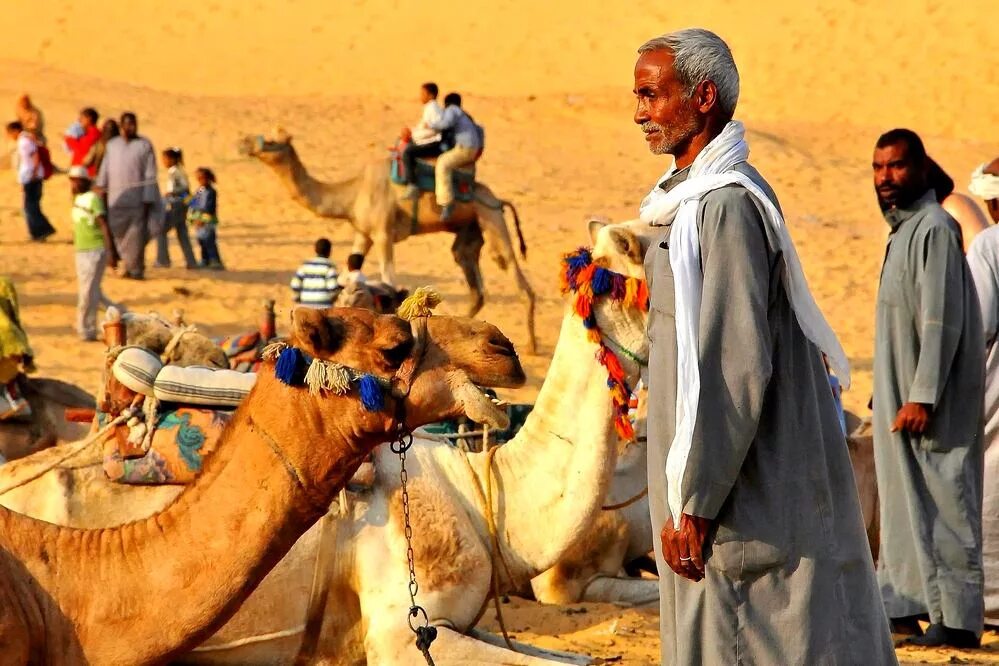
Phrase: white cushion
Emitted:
{"points": [[137, 368], [198, 385]]}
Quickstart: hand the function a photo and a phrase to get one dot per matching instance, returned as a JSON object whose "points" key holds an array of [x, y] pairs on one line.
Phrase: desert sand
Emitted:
{"points": [[552, 84]]}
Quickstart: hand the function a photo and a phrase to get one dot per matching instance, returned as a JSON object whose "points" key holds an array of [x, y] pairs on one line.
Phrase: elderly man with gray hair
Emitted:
{"points": [[762, 554]]}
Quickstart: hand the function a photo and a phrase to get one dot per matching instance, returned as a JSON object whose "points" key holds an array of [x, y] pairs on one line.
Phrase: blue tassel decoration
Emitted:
{"points": [[601, 282], [371, 393], [289, 368]]}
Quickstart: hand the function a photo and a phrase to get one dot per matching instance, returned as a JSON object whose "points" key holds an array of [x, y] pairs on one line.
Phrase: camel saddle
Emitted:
{"points": [[463, 177]]}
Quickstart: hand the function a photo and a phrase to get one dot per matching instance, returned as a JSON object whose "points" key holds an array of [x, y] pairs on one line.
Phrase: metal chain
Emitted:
{"points": [[425, 633]]}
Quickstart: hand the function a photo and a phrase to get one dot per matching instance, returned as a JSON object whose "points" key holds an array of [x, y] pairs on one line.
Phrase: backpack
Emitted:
{"points": [[45, 160]]}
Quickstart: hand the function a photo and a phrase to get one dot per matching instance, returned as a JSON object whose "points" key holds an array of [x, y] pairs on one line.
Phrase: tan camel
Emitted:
{"points": [[47, 426], [373, 206], [146, 591]]}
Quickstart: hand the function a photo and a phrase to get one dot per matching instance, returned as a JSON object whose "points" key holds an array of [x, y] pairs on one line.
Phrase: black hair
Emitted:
{"points": [[323, 247], [91, 113], [110, 128], [452, 99], [176, 154], [131, 116], [15, 126], [208, 174], [431, 88], [937, 178], [355, 261], [914, 148]]}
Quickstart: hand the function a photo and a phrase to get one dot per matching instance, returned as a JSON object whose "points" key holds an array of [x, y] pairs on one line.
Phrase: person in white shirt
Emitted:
{"points": [[31, 176], [353, 276], [422, 140]]}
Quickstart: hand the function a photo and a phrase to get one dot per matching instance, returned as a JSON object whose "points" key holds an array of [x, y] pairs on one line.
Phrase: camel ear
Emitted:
{"points": [[627, 244], [594, 223], [281, 136], [319, 334]]}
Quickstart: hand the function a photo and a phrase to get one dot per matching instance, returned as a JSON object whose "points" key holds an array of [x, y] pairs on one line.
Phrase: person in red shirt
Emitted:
{"points": [[83, 147]]}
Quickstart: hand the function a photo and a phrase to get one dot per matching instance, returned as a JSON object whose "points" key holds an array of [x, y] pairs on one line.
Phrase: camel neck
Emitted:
{"points": [[177, 576], [334, 200]]}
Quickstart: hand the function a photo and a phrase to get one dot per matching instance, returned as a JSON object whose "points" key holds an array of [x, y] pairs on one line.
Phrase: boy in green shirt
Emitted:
{"points": [[94, 250]]}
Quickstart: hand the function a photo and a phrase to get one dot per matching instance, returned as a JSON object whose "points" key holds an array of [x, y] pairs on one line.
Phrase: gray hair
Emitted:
{"points": [[700, 55]]}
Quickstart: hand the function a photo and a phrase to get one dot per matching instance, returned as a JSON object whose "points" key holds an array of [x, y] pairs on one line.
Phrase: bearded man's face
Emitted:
{"points": [[665, 112]]}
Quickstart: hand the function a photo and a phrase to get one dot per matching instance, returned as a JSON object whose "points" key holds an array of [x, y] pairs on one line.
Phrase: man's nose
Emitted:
{"points": [[641, 113]]}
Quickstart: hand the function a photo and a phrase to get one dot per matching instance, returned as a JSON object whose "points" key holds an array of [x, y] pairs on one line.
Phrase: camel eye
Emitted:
{"points": [[396, 355]]}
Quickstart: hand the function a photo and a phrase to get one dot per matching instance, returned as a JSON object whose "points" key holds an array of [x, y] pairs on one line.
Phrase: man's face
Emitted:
{"points": [[129, 127], [425, 96], [898, 180], [666, 114], [85, 120]]}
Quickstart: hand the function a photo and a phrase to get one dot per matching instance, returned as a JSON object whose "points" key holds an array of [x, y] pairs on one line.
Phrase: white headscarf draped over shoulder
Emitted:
{"points": [[711, 170], [984, 185]]}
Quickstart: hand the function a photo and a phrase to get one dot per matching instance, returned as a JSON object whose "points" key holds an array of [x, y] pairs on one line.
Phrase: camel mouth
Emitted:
{"points": [[477, 404]]}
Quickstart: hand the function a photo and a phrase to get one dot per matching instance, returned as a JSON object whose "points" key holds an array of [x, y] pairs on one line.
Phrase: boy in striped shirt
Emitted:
{"points": [[314, 285]]}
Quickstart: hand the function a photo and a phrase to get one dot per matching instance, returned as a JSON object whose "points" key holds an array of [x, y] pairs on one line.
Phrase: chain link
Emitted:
{"points": [[425, 633]]}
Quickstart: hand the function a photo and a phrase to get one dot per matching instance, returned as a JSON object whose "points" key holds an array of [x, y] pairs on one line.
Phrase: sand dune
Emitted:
{"points": [[551, 82]]}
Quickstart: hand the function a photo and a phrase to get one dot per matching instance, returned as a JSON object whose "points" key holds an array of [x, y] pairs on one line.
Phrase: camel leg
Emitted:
{"points": [[466, 250], [362, 244], [623, 591], [528, 294], [386, 260]]}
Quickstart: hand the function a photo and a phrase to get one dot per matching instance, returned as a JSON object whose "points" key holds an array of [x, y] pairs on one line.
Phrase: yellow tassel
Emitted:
{"points": [[327, 376], [419, 304], [273, 350]]}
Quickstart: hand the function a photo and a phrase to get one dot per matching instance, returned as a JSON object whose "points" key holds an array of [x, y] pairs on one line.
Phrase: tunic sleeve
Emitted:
{"points": [[982, 261], [940, 285], [150, 190], [734, 347]]}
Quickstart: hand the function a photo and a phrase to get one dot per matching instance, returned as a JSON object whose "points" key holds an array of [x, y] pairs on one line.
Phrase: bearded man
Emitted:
{"points": [[763, 556]]}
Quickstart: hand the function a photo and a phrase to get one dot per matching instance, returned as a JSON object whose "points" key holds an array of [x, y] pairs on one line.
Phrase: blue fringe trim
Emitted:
{"points": [[371, 393], [290, 366]]}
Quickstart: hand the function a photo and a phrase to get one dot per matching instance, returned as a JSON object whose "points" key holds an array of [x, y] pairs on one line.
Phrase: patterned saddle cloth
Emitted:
{"points": [[243, 351], [183, 437], [464, 178]]}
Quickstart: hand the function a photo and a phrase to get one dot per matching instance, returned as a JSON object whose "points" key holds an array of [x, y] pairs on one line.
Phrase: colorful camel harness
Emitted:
{"points": [[587, 280]]}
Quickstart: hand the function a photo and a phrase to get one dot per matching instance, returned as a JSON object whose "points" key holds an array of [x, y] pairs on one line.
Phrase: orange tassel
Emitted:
{"points": [[642, 296], [583, 306]]}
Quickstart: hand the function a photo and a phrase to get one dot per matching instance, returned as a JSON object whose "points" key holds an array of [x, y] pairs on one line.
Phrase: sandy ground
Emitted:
{"points": [[551, 83]]}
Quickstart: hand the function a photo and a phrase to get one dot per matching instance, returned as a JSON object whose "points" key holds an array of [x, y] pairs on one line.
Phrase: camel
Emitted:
{"points": [[47, 426], [374, 208], [149, 590]]}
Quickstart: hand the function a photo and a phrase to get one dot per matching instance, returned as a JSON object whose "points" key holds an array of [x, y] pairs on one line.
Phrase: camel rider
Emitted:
{"points": [[421, 141], [15, 354], [464, 141]]}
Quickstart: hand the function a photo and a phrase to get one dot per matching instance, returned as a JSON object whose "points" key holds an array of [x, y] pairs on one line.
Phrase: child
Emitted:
{"points": [[95, 249], [353, 276], [175, 200], [315, 283], [203, 214], [15, 354]]}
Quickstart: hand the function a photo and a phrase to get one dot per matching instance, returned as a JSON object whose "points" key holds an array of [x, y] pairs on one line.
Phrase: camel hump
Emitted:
{"points": [[60, 392]]}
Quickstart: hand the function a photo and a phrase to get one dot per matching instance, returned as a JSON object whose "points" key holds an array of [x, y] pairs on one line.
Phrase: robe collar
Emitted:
{"points": [[675, 179], [896, 216]]}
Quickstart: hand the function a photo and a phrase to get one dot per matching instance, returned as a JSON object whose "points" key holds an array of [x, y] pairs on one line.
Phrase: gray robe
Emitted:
{"points": [[789, 577], [128, 176], [929, 349], [983, 259]]}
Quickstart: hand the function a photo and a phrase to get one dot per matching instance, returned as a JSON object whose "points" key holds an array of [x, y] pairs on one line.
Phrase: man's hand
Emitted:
{"points": [[914, 417], [406, 134], [683, 549]]}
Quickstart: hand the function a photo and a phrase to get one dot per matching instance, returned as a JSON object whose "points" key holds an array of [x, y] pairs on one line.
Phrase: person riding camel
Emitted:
{"points": [[16, 357], [464, 141]]}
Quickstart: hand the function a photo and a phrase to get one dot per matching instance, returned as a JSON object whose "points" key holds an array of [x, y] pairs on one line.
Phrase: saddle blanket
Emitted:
{"points": [[464, 179]]}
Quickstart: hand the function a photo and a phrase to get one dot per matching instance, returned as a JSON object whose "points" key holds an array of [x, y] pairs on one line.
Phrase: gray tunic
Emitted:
{"points": [[983, 259], [789, 577], [128, 176], [929, 349]]}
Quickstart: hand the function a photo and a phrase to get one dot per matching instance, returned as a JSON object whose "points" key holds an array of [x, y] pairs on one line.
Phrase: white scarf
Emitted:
{"points": [[984, 185], [711, 170]]}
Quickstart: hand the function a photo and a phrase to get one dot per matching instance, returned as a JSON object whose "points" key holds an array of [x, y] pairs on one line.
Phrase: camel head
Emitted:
{"points": [[269, 150], [446, 366]]}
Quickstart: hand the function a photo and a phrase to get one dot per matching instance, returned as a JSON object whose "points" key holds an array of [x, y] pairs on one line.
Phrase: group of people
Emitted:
{"points": [[117, 203], [750, 480], [449, 134], [317, 281]]}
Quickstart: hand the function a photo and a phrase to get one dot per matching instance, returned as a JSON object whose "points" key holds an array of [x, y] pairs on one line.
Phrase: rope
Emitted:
{"points": [[485, 497], [250, 640], [74, 449], [627, 502], [175, 340]]}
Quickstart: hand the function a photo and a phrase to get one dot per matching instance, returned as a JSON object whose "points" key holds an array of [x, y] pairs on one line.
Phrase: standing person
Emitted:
{"points": [[31, 118], [82, 144], [203, 215], [463, 145], [315, 282], [31, 176], [127, 178], [109, 130], [94, 251], [929, 359], [762, 553], [16, 357], [983, 260], [175, 200], [422, 141], [969, 217]]}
